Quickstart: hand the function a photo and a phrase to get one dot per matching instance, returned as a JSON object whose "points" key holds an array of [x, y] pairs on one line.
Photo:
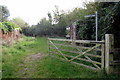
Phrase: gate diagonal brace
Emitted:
{"points": [[85, 52], [58, 50], [89, 59]]}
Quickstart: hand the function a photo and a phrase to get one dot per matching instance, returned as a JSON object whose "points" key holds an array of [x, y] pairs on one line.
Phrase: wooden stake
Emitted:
{"points": [[103, 56], [109, 45]]}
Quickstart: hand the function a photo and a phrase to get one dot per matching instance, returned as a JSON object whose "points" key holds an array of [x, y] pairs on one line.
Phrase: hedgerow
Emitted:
{"points": [[8, 26]]}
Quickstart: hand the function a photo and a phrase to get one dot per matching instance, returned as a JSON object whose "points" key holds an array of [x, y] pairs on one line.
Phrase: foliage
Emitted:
{"points": [[13, 58], [2, 27], [108, 22], [56, 24], [20, 22], [4, 12], [108, 19], [108, 16], [8, 26]]}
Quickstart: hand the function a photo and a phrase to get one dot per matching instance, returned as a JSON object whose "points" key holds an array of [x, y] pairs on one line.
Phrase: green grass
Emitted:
{"points": [[15, 54], [55, 68], [47, 67]]}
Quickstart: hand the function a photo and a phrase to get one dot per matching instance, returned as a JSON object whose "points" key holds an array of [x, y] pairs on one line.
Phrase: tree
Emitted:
{"points": [[20, 22], [50, 17], [4, 13]]}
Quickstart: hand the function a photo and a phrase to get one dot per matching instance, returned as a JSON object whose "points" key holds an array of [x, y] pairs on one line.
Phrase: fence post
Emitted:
{"points": [[109, 45], [103, 55], [48, 46]]}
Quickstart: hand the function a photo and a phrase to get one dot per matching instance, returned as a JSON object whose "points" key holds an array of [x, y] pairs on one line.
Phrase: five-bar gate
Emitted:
{"points": [[95, 55]]}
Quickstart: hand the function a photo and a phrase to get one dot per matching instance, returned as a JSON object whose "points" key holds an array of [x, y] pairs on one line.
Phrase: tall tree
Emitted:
{"points": [[4, 13], [50, 17], [20, 22]]}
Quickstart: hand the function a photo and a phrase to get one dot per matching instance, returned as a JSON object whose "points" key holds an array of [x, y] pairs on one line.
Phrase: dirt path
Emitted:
{"points": [[29, 66]]}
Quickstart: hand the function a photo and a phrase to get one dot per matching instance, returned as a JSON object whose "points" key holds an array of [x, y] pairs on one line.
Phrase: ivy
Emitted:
{"points": [[8, 26]]}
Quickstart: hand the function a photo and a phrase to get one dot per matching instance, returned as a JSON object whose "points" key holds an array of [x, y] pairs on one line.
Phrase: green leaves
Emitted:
{"points": [[4, 12], [8, 26]]}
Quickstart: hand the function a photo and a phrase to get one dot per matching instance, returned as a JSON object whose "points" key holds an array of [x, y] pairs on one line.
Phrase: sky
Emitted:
{"points": [[32, 11]]}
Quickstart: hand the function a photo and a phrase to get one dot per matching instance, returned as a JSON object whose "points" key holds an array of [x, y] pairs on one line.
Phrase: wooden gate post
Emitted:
{"points": [[103, 56], [109, 46], [48, 42]]}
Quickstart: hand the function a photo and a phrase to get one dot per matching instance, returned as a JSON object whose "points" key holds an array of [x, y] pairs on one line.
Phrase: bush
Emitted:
{"points": [[8, 26]]}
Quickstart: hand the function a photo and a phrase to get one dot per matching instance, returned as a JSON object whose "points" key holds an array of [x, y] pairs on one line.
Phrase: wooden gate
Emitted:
{"points": [[95, 55], [85, 53]]}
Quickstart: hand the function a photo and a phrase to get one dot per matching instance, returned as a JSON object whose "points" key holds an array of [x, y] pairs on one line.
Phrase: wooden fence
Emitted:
{"points": [[96, 55], [86, 53]]}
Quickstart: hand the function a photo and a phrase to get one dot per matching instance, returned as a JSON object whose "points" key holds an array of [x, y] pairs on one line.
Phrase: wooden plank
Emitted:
{"points": [[58, 50], [85, 60], [66, 50], [80, 58], [93, 68], [78, 41], [81, 47], [90, 60], [92, 55], [116, 50], [93, 62], [116, 62], [70, 51], [85, 52], [80, 54]]}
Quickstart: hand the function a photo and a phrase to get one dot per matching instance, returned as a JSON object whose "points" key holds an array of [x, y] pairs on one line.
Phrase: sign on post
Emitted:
{"points": [[96, 21], [93, 15]]}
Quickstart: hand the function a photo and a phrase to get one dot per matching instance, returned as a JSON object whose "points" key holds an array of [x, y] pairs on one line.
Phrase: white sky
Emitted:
{"points": [[32, 11]]}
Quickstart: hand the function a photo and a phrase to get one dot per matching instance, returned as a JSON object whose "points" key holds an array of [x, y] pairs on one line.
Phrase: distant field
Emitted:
{"points": [[29, 58]]}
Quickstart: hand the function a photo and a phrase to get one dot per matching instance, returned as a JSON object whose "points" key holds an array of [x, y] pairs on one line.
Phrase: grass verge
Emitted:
{"points": [[47, 67]]}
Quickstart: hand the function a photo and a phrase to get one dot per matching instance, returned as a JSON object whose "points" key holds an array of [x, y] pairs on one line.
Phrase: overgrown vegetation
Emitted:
{"points": [[14, 65], [8, 26], [108, 22], [14, 56]]}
